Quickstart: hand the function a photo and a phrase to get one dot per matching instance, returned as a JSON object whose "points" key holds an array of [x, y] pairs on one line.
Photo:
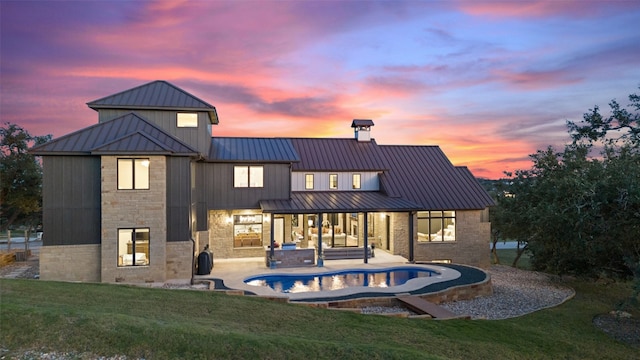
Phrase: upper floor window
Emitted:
{"points": [[133, 174], [333, 181], [308, 181], [436, 226], [248, 176], [356, 181], [187, 120]]}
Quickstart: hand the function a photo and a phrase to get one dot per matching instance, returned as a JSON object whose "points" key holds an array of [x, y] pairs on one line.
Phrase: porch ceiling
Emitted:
{"points": [[310, 202]]}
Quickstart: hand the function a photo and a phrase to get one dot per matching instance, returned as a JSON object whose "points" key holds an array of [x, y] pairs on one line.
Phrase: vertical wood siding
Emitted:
{"points": [[71, 200], [199, 138], [216, 191], [369, 181], [178, 198]]}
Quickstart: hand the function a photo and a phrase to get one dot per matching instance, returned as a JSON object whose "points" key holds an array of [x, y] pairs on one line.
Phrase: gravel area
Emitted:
{"points": [[515, 293]]}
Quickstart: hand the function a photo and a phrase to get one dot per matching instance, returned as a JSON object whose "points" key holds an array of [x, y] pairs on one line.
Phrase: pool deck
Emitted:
{"points": [[231, 274]]}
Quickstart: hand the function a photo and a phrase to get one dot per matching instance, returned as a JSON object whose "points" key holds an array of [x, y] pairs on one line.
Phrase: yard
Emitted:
{"points": [[87, 320]]}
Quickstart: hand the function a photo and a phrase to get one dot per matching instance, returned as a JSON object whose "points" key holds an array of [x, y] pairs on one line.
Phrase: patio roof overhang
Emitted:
{"points": [[311, 202]]}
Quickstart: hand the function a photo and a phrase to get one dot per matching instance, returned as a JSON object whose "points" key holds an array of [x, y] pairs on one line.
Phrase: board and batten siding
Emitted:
{"points": [[368, 181], [178, 198], [199, 138], [71, 200], [214, 184]]}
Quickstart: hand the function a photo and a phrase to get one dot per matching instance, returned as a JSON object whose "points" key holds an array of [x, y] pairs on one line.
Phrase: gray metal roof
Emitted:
{"points": [[337, 201], [236, 149], [330, 154], [126, 134], [361, 122], [157, 95], [425, 176]]}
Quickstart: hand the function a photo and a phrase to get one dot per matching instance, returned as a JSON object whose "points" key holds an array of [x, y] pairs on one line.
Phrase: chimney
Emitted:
{"points": [[362, 129]]}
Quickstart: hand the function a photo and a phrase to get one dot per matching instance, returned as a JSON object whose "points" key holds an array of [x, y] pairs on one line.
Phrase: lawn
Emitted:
{"points": [[106, 320]]}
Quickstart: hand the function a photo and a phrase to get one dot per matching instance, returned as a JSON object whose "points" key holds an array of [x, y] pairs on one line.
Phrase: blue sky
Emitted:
{"points": [[489, 81]]}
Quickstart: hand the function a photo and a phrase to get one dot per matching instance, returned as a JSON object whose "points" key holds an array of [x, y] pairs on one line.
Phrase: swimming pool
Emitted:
{"points": [[336, 280]]}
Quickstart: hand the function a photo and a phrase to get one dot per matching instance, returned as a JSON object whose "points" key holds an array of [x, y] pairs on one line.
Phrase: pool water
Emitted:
{"points": [[382, 278]]}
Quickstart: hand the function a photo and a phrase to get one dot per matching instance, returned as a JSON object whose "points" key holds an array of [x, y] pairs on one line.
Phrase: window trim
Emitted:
{"points": [[187, 123], [133, 173], [331, 177], [248, 179], [439, 238], [308, 185], [356, 185], [134, 230]]}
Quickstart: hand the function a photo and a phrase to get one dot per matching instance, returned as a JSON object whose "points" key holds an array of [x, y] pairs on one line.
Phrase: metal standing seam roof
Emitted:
{"points": [[337, 201], [361, 122], [126, 134], [331, 154], [424, 175], [157, 94], [234, 149]]}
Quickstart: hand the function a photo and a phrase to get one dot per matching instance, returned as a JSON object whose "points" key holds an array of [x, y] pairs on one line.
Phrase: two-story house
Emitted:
{"points": [[135, 197]]}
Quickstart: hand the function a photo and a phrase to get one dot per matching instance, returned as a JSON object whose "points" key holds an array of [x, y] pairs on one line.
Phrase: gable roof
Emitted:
{"points": [[126, 134], [424, 175], [236, 149], [330, 154], [156, 95]]}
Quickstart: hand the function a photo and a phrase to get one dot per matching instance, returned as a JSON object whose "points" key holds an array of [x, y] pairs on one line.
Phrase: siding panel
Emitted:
{"points": [[178, 198], [71, 200]]}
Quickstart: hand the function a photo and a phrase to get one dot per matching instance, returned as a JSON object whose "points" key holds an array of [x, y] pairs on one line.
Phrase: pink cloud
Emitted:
{"points": [[541, 8]]}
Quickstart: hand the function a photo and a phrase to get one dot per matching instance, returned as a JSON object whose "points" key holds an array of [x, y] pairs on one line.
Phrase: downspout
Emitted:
{"points": [[411, 238]]}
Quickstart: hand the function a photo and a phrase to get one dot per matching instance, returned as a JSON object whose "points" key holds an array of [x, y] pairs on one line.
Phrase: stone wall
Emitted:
{"points": [[179, 259], [70, 263], [134, 209], [470, 248], [221, 235]]}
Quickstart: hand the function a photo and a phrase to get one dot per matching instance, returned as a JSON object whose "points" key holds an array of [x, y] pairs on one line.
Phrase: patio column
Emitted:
{"points": [[272, 257], [320, 254], [366, 237], [411, 238]]}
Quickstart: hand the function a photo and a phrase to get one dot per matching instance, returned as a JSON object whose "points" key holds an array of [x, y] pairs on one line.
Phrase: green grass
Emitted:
{"points": [[507, 256], [108, 319]]}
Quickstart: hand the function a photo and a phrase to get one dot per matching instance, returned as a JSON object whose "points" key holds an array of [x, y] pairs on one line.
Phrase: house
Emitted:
{"points": [[136, 197]]}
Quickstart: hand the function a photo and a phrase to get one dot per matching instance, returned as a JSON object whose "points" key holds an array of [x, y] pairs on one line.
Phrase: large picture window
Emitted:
{"points": [[436, 226], [133, 247], [248, 176], [133, 174], [247, 231]]}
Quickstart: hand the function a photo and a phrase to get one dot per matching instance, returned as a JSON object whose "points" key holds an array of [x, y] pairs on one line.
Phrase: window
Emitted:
{"points": [[187, 120], [333, 181], [436, 226], [133, 247], [356, 181], [308, 181], [247, 231], [248, 176], [133, 174]]}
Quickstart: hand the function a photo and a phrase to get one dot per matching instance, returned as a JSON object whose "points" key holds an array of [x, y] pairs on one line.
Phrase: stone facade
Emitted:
{"points": [[70, 263], [221, 234], [179, 259], [471, 247], [134, 209]]}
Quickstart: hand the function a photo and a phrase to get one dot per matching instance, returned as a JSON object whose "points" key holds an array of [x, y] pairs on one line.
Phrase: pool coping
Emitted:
{"points": [[451, 276]]}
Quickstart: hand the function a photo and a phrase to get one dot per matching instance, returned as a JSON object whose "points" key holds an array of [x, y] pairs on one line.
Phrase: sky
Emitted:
{"points": [[490, 82]]}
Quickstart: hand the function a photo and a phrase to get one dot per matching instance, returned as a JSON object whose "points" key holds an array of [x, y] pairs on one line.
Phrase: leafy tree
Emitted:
{"points": [[578, 211], [20, 177]]}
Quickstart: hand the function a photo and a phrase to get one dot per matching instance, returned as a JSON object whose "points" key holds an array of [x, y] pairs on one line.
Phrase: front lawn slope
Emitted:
{"points": [[107, 320]]}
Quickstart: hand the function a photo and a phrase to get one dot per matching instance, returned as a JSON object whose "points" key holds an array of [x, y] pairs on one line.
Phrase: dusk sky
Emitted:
{"points": [[490, 82]]}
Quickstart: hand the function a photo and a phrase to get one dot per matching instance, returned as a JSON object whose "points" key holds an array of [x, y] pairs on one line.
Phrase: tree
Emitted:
{"points": [[20, 177], [578, 211]]}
